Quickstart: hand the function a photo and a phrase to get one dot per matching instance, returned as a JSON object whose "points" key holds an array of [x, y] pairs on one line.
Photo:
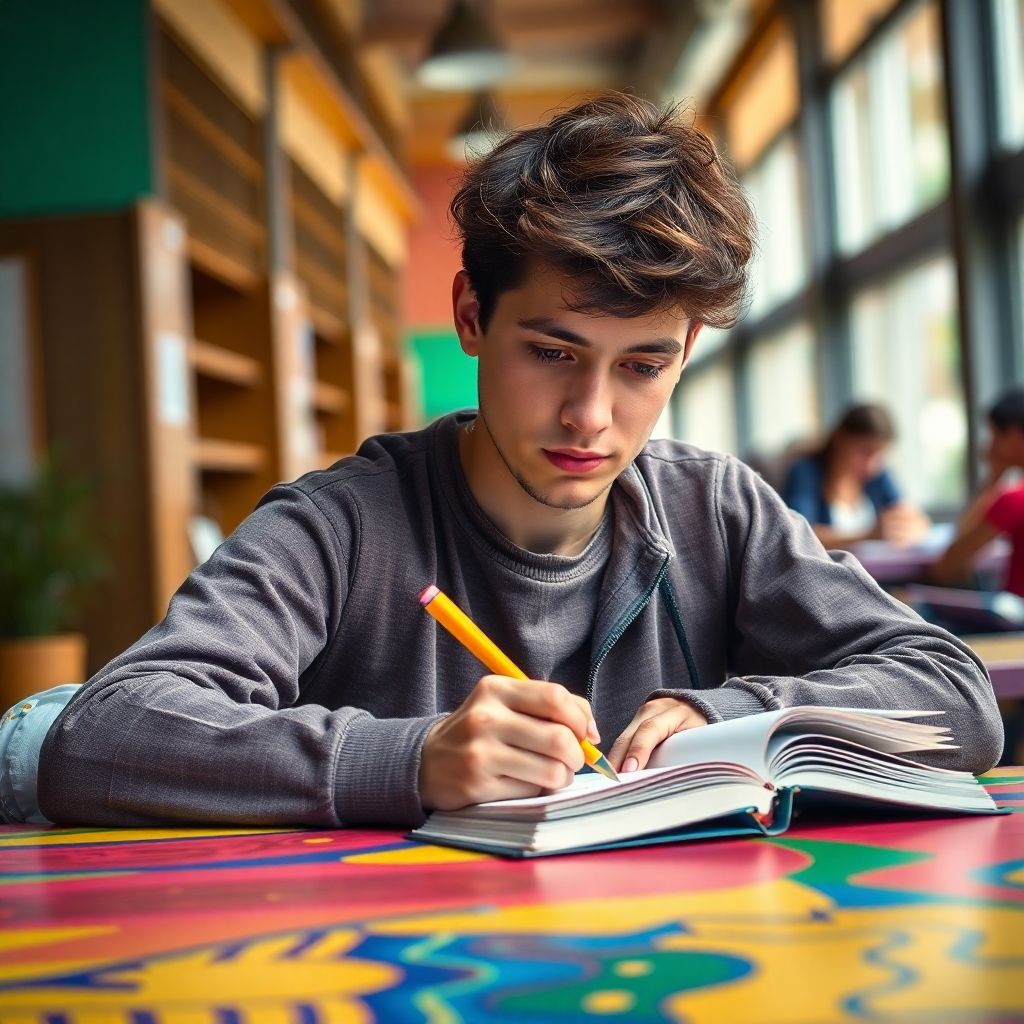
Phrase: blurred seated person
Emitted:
{"points": [[997, 508], [844, 490]]}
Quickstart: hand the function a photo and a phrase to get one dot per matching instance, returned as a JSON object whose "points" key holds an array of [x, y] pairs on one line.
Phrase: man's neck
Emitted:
{"points": [[525, 521]]}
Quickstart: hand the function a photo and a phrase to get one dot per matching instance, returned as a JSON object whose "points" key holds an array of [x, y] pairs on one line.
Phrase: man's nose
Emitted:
{"points": [[588, 410]]}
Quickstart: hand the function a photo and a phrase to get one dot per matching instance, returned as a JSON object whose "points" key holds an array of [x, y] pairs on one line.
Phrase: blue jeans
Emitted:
{"points": [[22, 731]]}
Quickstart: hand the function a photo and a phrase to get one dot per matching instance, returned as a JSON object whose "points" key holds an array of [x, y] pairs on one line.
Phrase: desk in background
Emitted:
{"points": [[890, 564], [915, 920], [1003, 655]]}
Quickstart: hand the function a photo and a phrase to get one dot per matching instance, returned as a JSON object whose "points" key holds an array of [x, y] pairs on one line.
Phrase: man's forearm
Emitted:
{"points": [[162, 749]]}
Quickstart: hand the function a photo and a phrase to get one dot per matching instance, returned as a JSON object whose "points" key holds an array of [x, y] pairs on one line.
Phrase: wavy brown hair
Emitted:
{"points": [[631, 201]]}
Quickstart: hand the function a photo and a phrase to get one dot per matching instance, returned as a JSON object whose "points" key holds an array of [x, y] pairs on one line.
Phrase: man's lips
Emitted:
{"points": [[572, 460]]}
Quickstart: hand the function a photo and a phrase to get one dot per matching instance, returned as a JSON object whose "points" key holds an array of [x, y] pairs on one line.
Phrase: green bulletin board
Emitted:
{"points": [[447, 374], [74, 117]]}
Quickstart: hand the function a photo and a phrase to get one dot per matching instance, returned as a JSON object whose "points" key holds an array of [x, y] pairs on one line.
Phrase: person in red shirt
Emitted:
{"points": [[997, 508]]}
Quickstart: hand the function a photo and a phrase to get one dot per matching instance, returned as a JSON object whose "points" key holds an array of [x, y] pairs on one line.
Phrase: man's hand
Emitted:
{"points": [[509, 738], [655, 721]]}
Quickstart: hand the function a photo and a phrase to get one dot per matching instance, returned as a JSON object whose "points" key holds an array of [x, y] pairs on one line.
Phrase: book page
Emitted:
{"points": [[590, 788], [750, 741], [742, 741]]}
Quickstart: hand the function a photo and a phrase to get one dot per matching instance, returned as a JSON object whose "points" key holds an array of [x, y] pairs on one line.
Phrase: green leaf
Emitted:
{"points": [[49, 553]]}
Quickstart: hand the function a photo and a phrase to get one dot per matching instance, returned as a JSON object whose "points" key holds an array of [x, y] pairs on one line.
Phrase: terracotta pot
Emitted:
{"points": [[30, 664]]}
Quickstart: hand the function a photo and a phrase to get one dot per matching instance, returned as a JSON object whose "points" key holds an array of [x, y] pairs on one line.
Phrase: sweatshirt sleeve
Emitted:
{"points": [[812, 627], [198, 721]]}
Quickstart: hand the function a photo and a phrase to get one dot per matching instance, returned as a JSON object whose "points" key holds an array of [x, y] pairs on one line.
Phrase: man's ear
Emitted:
{"points": [[691, 336], [466, 311]]}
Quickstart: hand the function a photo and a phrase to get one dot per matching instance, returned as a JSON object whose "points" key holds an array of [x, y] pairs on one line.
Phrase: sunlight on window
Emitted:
{"points": [[906, 355], [891, 148], [783, 364], [706, 407], [1009, 38], [779, 266]]}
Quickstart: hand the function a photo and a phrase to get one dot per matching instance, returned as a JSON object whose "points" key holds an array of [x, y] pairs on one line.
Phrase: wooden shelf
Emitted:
{"points": [[222, 268], [224, 210], [215, 456], [197, 119], [326, 326], [314, 220], [332, 285], [218, 363], [329, 399]]}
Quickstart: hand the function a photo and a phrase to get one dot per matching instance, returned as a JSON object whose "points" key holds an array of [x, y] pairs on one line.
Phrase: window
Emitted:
{"points": [[706, 408], [779, 266], [709, 341], [891, 149], [782, 385], [906, 356], [1009, 36]]}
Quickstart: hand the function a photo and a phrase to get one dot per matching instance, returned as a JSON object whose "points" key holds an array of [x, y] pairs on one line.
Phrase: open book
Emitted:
{"points": [[731, 778]]}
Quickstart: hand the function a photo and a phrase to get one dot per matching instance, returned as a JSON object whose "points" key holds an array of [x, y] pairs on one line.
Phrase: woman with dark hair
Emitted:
{"points": [[844, 490]]}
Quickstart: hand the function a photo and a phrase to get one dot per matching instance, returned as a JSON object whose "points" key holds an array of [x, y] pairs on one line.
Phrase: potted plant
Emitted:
{"points": [[48, 559]]}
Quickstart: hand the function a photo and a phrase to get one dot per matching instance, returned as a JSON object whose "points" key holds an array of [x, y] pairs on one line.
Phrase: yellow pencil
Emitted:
{"points": [[472, 637]]}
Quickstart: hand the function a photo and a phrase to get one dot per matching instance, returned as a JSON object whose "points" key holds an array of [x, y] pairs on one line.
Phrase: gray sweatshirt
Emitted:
{"points": [[295, 675]]}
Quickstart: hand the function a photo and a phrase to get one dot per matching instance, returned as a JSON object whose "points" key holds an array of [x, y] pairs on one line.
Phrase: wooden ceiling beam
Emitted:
{"points": [[554, 24]]}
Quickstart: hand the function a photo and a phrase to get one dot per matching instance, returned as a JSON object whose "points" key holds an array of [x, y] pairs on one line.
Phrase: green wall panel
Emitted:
{"points": [[74, 119], [448, 375]]}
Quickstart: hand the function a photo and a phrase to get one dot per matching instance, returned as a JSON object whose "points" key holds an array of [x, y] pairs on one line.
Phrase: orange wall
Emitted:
{"points": [[433, 252]]}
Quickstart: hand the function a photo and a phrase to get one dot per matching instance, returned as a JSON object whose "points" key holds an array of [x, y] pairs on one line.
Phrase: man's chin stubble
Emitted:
{"points": [[548, 502], [527, 488]]}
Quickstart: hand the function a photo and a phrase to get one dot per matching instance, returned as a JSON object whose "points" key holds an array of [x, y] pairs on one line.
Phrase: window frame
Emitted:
{"points": [[976, 218]]}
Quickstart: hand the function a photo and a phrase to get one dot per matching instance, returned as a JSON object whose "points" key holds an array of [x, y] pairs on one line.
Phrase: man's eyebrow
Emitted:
{"points": [[544, 325]]}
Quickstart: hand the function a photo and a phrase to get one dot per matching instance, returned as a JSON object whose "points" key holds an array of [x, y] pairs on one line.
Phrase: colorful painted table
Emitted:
{"points": [[920, 921]]}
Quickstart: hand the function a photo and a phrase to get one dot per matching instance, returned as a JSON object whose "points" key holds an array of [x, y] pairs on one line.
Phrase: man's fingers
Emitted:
{"points": [[550, 701], [647, 735], [617, 755], [653, 723], [592, 734], [508, 738], [536, 770], [549, 740]]}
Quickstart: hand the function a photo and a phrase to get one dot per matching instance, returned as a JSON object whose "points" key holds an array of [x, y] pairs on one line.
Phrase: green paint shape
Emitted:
{"points": [[834, 863], [633, 998]]}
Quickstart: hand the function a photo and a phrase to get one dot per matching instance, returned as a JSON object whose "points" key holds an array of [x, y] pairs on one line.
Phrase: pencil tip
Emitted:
{"points": [[603, 766]]}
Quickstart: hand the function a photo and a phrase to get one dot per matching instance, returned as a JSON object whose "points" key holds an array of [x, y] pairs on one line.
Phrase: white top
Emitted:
{"points": [[857, 517]]}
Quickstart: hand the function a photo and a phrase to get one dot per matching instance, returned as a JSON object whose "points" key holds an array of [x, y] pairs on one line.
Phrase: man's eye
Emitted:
{"points": [[547, 355], [649, 370]]}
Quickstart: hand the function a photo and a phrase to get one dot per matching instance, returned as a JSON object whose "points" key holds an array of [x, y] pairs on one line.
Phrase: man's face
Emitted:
{"points": [[569, 399], [1005, 446]]}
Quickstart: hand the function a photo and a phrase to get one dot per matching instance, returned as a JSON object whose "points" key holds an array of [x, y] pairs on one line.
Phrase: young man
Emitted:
{"points": [[997, 509], [646, 588]]}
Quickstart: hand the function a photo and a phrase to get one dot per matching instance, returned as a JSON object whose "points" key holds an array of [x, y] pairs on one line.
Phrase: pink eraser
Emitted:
{"points": [[428, 594]]}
